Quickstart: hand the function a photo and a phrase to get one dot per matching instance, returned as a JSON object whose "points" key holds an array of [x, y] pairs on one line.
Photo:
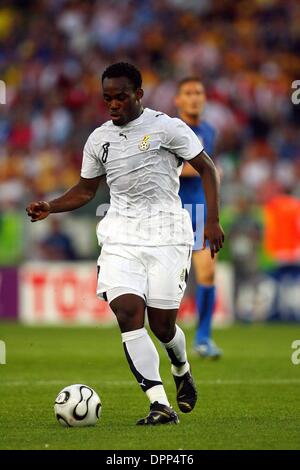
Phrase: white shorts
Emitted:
{"points": [[157, 274]]}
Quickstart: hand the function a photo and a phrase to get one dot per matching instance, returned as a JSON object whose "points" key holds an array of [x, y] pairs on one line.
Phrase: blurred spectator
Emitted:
{"points": [[244, 238], [57, 245], [282, 230]]}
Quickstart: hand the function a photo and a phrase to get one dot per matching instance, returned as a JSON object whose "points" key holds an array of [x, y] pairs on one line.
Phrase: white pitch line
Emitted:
{"points": [[117, 383]]}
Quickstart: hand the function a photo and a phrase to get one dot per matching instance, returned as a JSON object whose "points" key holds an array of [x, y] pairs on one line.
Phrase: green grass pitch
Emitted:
{"points": [[247, 400]]}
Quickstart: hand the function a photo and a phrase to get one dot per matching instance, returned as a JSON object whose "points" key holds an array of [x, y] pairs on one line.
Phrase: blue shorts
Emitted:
{"points": [[192, 195]]}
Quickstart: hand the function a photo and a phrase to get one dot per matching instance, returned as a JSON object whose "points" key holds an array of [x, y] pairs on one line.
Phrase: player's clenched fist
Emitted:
{"points": [[38, 210]]}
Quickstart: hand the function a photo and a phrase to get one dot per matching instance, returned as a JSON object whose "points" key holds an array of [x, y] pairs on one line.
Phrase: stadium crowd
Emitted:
{"points": [[52, 55]]}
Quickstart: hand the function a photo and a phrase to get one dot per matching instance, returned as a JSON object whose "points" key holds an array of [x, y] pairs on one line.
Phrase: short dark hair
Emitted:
{"points": [[192, 78], [123, 69]]}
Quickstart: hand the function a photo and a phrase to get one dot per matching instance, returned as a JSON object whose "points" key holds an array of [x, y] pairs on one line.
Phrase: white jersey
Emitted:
{"points": [[142, 161]]}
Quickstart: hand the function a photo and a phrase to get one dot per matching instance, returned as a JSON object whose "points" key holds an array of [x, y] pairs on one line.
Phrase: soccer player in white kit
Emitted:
{"points": [[146, 238]]}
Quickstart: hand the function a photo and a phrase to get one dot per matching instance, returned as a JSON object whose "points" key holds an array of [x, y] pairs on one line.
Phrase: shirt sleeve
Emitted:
{"points": [[91, 164], [181, 140]]}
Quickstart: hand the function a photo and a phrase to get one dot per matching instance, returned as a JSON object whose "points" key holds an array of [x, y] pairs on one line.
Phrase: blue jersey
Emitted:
{"points": [[191, 189]]}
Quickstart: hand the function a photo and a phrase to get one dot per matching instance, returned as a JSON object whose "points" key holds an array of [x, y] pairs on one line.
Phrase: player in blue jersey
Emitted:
{"points": [[190, 101]]}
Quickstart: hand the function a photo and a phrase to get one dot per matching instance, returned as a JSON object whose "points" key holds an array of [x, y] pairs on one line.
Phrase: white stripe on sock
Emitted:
{"points": [[157, 393]]}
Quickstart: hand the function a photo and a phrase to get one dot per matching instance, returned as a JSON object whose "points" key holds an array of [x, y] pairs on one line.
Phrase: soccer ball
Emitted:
{"points": [[77, 405]]}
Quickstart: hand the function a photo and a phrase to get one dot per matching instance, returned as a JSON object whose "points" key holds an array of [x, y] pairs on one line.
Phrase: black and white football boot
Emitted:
{"points": [[186, 392], [159, 414]]}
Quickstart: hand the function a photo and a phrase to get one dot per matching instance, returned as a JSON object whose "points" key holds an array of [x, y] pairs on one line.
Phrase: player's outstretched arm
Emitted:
{"points": [[77, 196], [213, 231]]}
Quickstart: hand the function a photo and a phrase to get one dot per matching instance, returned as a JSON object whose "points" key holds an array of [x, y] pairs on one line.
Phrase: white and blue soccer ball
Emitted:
{"points": [[77, 405]]}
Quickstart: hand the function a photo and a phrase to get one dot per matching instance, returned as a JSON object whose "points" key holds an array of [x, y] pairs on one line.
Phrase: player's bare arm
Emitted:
{"points": [[213, 231], [188, 171], [79, 195]]}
